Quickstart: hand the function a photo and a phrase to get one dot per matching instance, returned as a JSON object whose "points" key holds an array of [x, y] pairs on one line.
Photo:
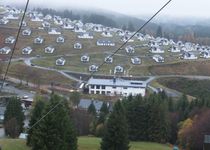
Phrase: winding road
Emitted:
{"points": [[65, 73]]}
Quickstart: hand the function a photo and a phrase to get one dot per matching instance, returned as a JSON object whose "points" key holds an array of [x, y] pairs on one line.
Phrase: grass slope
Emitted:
{"points": [[85, 143], [13, 144], [196, 88]]}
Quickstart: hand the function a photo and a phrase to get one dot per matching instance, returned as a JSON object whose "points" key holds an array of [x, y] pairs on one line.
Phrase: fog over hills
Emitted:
{"points": [[174, 26]]}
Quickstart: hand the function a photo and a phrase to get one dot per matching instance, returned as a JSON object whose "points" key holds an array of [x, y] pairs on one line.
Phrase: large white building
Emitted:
{"points": [[116, 86]]}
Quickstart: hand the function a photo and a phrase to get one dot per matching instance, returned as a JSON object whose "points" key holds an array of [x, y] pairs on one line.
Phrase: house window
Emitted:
{"points": [[92, 86], [92, 92], [97, 86], [114, 87], [103, 92], [97, 92], [125, 88], [108, 92], [103, 86]]}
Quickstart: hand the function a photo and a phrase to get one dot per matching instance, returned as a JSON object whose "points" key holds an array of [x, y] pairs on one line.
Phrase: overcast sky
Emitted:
{"points": [[177, 8]]}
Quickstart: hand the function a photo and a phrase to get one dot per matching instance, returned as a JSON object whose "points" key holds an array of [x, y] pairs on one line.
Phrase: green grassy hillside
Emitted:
{"points": [[85, 143]]}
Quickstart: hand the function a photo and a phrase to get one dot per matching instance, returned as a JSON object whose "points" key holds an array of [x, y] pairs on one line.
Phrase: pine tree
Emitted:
{"points": [[13, 118], [116, 132], [36, 114], [56, 130]]}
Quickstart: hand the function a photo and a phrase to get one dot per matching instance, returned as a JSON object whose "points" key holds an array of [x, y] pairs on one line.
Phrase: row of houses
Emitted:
{"points": [[155, 44], [76, 25], [92, 68], [79, 27], [86, 58]]}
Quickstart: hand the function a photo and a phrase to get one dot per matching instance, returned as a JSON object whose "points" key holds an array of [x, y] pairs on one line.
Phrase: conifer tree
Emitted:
{"points": [[36, 115], [116, 132], [103, 113], [55, 131], [92, 109], [13, 118]]}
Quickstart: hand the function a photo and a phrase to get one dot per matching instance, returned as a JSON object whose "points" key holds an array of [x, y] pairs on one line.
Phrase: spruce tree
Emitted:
{"points": [[55, 131], [136, 117], [103, 113], [36, 114], [92, 112], [183, 107], [116, 132], [158, 121], [13, 118], [92, 109]]}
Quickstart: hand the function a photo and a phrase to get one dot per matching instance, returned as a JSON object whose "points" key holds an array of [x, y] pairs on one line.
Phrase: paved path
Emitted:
{"points": [[173, 93], [13, 90]]}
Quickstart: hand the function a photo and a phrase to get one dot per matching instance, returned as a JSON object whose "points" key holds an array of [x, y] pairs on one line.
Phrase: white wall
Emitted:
{"points": [[119, 91]]}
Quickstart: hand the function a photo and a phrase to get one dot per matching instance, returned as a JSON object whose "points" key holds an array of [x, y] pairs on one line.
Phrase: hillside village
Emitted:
{"points": [[94, 89], [141, 50], [53, 42]]}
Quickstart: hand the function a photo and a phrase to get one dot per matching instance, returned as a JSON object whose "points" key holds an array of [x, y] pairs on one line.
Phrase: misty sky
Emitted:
{"points": [[177, 8]]}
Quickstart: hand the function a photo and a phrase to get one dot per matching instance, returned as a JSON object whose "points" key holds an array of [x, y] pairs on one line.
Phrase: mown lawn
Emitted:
{"points": [[13, 144], [85, 143]]}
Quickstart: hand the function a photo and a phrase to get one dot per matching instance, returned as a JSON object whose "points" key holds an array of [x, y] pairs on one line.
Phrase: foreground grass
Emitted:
{"points": [[85, 143], [13, 144]]}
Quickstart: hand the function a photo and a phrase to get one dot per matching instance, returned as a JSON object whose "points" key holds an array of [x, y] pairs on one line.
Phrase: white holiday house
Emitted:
{"points": [[93, 68], [60, 39], [39, 40], [85, 35], [108, 59], [60, 62], [85, 58], [136, 60], [27, 50], [49, 50], [10, 40], [105, 42], [118, 69], [156, 50], [5, 50], [26, 32], [54, 31], [77, 45], [158, 59]]}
